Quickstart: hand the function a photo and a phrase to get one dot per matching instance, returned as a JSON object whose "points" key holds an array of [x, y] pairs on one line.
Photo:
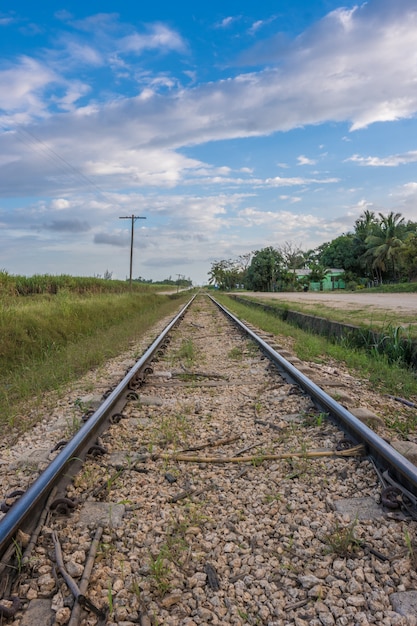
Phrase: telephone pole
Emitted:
{"points": [[133, 218]]}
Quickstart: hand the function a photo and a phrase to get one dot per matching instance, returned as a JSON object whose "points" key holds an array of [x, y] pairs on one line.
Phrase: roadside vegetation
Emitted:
{"points": [[380, 249], [15, 285], [384, 375], [54, 337]]}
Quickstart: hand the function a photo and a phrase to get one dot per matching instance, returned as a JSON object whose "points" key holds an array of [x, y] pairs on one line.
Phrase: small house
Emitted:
{"points": [[331, 281]]}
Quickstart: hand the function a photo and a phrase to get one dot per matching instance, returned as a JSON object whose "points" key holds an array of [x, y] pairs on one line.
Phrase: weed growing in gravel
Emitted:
{"points": [[112, 479], [172, 429], [83, 406], [411, 544], [251, 349], [314, 418], [258, 459], [110, 598], [176, 549], [258, 407], [194, 515], [136, 590], [236, 353], [249, 619], [342, 541], [18, 555], [277, 497], [186, 352], [300, 466], [87, 478], [402, 424], [73, 425], [159, 572], [104, 549]]}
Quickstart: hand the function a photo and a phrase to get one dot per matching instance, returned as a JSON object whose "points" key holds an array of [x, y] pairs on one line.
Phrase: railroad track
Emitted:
{"points": [[215, 484]]}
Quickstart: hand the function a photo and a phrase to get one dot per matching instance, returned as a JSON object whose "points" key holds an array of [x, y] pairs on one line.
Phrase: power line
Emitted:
{"points": [[39, 146]]}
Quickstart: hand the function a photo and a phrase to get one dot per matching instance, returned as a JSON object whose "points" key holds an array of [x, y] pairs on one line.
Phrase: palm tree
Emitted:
{"points": [[365, 226], [384, 245]]}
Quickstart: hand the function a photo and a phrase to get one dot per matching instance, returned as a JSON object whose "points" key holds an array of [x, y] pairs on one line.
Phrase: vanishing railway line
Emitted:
{"points": [[210, 487]]}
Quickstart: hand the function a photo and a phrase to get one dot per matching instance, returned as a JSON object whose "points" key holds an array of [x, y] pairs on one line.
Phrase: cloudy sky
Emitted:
{"points": [[229, 126]]}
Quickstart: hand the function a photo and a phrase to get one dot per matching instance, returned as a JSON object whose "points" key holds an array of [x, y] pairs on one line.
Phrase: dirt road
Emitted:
{"points": [[401, 302]]}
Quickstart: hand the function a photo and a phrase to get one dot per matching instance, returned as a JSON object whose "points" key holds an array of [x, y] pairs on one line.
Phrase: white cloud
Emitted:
{"points": [[388, 161], [256, 26], [84, 54], [60, 204], [405, 198], [5, 20], [159, 37], [226, 22], [291, 199], [278, 181], [22, 84], [410, 188], [359, 66], [303, 160]]}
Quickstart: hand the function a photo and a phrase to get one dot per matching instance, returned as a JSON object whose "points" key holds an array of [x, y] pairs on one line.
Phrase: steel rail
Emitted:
{"points": [[384, 455], [37, 493]]}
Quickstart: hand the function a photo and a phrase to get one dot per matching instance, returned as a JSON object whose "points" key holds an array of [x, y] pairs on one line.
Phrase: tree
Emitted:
{"points": [[366, 225], [342, 253], [231, 273], [318, 273], [293, 259], [409, 255], [264, 270], [224, 274], [292, 255], [384, 246]]}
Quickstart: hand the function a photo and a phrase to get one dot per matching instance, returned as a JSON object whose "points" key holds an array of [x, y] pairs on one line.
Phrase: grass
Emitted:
{"points": [[186, 352], [174, 552], [236, 354], [172, 429], [396, 288], [402, 424], [159, 571], [50, 341], [382, 376], [342, 540]]}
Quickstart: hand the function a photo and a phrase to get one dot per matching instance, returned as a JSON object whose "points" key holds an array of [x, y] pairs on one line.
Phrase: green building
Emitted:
{"points": [[330, 282]]}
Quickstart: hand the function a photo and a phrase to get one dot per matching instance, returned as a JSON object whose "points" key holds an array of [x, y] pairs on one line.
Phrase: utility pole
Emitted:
{"points": [[133, 218]]}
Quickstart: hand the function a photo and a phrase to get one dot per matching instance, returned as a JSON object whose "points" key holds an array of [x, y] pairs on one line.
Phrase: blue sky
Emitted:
{"points": [[229, 126]]}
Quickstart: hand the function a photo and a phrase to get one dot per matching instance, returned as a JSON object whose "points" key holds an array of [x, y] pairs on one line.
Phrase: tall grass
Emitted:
{"points": [[47, 341], [48, 284], [392, 342]]}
